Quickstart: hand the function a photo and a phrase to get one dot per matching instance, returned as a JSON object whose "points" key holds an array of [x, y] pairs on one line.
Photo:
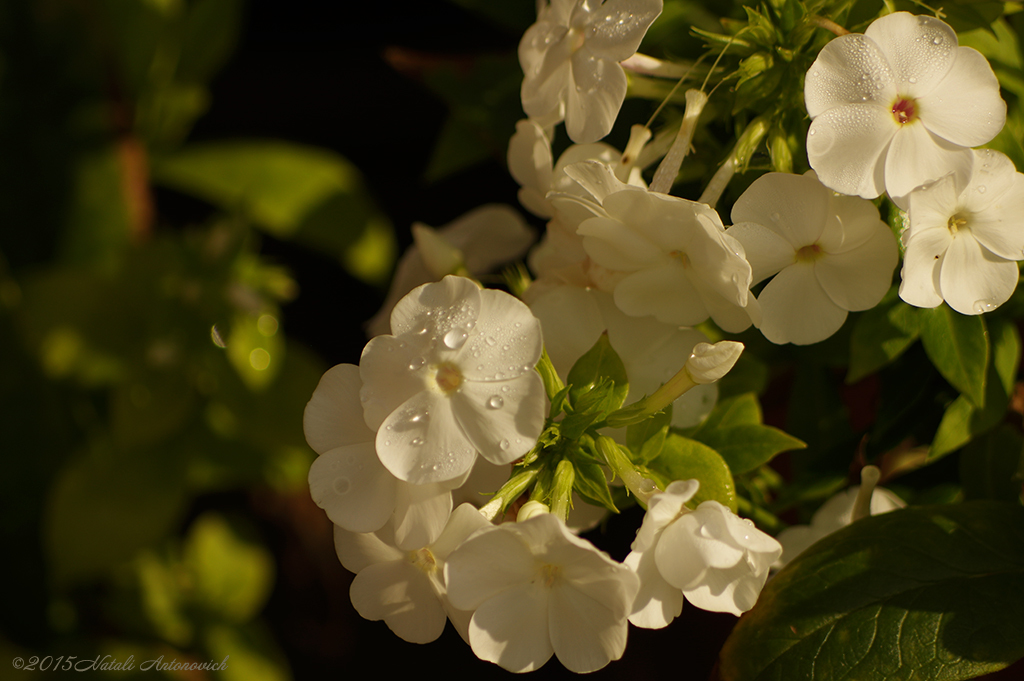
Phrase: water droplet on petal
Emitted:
{"points": [[416, 363], [417, 441], [455, 338], [983, 306], [982, 189], [496, 402], [705, 532], [936, 40], [490, 341], [912, 80], [505, 444]]}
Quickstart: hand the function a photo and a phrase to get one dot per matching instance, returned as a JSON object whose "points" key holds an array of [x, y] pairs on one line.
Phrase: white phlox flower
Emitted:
{"points": [[651, 351], [898, 106], [455, 379], [672, 257], [536, 589], [570, 60], [405, 588], [834, 514], [480, 240], [829, 255], [964, 238], [712, 557], [347, 479]]}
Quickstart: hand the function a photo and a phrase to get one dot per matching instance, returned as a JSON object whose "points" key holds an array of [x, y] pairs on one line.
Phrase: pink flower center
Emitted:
{"points": [[809, 253], [903, 110]]}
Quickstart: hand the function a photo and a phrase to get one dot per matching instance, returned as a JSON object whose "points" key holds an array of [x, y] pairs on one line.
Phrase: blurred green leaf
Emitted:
{"points": [[209, 35], [231, 576], [880, 335], [957, 346], [745, 448], [106, 505], [685, 459], [294, 192], [162, 588], [927, 592], [255, 348], [988, 466], [963, 420], [98, 227], [249, 653]]}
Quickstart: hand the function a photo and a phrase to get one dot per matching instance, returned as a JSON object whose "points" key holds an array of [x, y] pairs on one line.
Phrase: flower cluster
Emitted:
{"points": [[597, 389]]}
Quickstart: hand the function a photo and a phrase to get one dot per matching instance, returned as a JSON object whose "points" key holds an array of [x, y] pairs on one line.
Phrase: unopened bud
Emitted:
{"points": [[708, 363]]}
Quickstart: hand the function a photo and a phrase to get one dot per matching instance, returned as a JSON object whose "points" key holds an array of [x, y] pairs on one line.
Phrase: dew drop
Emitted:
{"points": [[417, 441], [418, 416], [776, 217], [342, 485], [455, 339], [983, 306], [490, 341], [496, 402], [982, 189], [505, 444], [504, 388], [416, 363], [705, 532], [936, 40], [387, 443], [912, 80]]}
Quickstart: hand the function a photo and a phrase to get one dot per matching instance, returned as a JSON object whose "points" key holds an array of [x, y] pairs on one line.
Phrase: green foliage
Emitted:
{"points": [[957, 345], [880, 335], [685, 459], [929, 592], [299, 193]]}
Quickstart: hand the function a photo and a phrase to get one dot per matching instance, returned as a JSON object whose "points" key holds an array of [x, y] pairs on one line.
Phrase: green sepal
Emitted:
{"points": [[597, 364], [648, 437]]}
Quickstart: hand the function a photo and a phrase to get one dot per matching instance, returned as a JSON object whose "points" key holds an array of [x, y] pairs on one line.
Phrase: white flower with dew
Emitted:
{"points": [[712, 557], [455, 379], [405, 588], [347, 479], [536, 589], [834, 514], [673, 257], [898, 106], [570, 58], [964, 238], [829, 255], [480, 240], [651, 351]]}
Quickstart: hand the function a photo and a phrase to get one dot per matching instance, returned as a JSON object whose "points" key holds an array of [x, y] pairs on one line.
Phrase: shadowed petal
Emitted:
{"points": [[973, 280], [352, 486], [796, 309], [846, 146], [402, 596]]}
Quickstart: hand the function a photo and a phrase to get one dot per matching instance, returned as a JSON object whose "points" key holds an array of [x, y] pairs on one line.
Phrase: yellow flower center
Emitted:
{"points": [[956, 223], [448, 378], [809, 253]]}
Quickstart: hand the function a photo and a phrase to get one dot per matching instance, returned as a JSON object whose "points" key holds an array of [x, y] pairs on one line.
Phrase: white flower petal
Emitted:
{"points": [[733, 591], [352, 486], [402, 596], [463, 523], [334, 414], [585, 634], [544, 55], [665, 292], [486, 565], [852, 223], [596, 177], [965, 107], [594, 98], [858, 278], [511, 628], [430, 307], [920, 49], [917, 157], [392, 371], [767, 252], [505, 341], [502, 419], [850, 69], [613, 245], [846, 146], [488, 236], [572, 323], [359, 550], [922, 263], [530, 163], [421, 441], [657, 602], [796, 207], [617, 27], [796, 309], [973, 280], [421, 513]]}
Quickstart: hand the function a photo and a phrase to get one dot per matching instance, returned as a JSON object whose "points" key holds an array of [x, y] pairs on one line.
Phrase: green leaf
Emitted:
{"points": [[231, 576], [742, 410], [958, 347], [107, 505], [598, 363], [746, 447], [750, 374], [919, 593], [248, 652], [988, 466], [98, 226], [255, 349], [686, 459], [962, 420], [880, 335]]}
